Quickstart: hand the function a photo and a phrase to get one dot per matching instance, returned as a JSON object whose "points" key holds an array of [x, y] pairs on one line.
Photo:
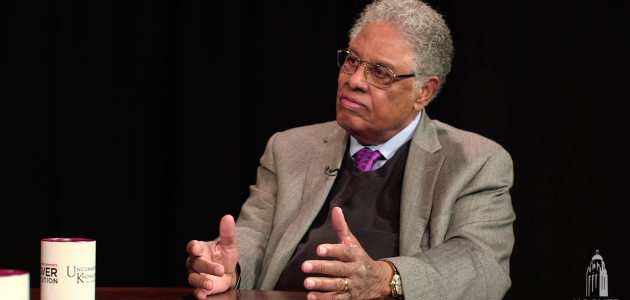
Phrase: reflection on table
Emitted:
{"points": [[152, 293]]}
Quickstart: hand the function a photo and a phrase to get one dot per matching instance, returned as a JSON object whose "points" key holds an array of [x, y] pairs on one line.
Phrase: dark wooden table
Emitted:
{"points": [[152, 293]]}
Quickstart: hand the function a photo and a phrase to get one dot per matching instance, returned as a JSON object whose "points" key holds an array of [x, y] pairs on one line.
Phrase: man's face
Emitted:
{"points": [[370, 114]]}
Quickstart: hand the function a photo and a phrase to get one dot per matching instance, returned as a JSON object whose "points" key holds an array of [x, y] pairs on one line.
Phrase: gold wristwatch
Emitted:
{"points": [[395, 283]]}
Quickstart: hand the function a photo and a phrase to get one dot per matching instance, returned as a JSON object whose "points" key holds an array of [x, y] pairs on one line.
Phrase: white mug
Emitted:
{"points": [[14, 285], [68, 269]]}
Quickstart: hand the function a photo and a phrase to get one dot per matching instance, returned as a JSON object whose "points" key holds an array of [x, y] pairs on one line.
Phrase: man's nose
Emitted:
{"points": [[359, 78]]}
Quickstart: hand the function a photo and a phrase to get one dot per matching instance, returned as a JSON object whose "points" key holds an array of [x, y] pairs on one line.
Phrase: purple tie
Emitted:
{"points": [[365, 159]]}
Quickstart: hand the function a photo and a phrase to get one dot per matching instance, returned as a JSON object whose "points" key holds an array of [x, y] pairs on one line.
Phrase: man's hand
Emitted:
{"points": [[212, 265], [365, 278]]}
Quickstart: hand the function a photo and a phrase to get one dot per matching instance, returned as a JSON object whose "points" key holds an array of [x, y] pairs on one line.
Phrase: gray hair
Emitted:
{"points": [[424, 28]]}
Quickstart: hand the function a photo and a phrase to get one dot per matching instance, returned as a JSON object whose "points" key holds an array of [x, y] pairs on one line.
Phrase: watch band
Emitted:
{"points": [[238, 281], [395, 283]]}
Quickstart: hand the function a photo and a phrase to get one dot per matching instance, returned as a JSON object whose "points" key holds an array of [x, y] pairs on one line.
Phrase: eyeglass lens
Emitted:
{"points": [[375, 74]]}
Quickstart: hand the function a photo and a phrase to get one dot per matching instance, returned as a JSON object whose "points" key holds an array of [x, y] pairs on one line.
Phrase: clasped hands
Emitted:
{"points": [[212, 266]]}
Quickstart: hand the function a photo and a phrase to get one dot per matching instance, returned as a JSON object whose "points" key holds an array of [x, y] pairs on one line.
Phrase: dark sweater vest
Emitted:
{"points": [[371, 206]]}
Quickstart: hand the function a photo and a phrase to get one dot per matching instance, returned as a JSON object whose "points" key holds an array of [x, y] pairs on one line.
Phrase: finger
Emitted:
{"points": [[189, 264], [339, 251], [202, 265], [200, 293], [341, 228], [200, 281], [227, 229], [195, 248], [328, 267], [327, 284]]}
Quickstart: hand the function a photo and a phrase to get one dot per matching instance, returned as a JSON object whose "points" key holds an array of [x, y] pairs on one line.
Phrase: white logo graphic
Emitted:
{"points": [[597, 277]]}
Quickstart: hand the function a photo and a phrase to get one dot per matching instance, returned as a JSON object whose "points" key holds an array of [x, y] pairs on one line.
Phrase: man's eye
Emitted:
{"points": [[381, 72], [351, 60]]}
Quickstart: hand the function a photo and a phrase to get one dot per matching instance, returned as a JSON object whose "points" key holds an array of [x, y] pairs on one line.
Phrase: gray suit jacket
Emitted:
{"points": [[456, 218]]}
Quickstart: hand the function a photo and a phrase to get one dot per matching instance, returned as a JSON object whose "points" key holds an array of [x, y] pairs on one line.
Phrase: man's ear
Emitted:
{"points": [[424, 94]]}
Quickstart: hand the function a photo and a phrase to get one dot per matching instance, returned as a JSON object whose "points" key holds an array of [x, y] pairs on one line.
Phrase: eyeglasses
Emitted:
{"points": [[376, 75]]}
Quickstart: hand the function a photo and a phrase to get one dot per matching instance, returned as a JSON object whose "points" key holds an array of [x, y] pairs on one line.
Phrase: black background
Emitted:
{"points": [[140, 123]]}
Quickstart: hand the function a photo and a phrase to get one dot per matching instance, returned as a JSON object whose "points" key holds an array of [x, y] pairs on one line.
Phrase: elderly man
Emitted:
{"points": [[382, 202]]}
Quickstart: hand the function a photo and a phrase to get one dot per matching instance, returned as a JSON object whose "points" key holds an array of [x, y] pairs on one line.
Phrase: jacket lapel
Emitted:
{"points": [[421, 171]]}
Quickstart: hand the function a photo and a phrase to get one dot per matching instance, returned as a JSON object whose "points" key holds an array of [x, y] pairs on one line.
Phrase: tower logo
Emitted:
{"points": [[596, 277]]}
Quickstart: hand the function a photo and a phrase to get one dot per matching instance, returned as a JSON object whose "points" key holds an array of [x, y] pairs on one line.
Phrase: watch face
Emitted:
{"points": [[397, 286]]}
